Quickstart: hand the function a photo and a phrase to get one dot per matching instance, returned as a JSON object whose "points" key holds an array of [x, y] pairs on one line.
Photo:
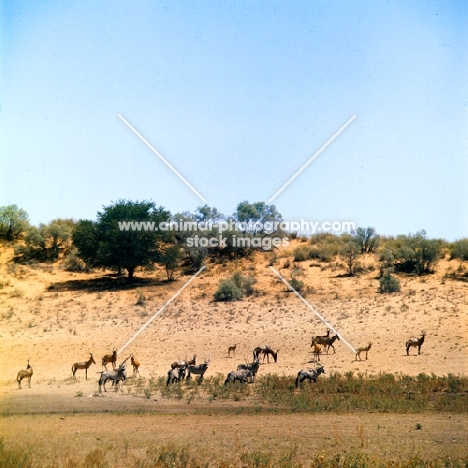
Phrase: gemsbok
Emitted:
{"points": [[83, 365], [361, 350], [309, 374], [110, 358], [24, 374], [175, 375], [415, 342], [115, 375], [199, 369], [253, 367], [242, 375]]}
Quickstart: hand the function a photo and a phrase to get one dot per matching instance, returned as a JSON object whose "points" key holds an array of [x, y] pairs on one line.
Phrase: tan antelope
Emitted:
{"points": [[110, 358], [317, 350], [83, 365], [361, 350], [24, 374], [135, 365], [415, 342], [233, 350]]}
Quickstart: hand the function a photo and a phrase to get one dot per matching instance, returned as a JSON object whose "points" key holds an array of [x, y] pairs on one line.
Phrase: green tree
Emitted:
{"points": [[259, 212], [171, 258], [13, 222], [349, 254], [460, 249], [366, 238], [107, 244], [46, 242]]}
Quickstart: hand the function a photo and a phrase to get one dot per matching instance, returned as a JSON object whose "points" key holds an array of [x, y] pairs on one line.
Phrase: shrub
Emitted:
{"points": [[235, 288], [389, 284], [297, 284], [460, 249]]}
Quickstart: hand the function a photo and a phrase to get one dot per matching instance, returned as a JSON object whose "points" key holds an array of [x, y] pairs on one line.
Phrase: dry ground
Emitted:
{"points": [[56, 318]]}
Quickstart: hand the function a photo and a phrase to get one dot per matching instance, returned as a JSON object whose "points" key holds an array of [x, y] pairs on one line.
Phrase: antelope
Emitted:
{"points": [[135, 364], [360, 350], [114, 375], [83, 365], [266, 351], [253, 367], [199, 369], [110, 358], [243, 375], [327, 342], [179, 363], [319, 339], [317, 350], [192, 361], [415, 342], [233, 350], [309, 374], [23, 374], [175, 375]]}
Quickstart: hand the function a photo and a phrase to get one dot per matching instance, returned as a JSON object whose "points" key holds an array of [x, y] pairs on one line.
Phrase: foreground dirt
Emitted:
{"points": [[126, 436]]}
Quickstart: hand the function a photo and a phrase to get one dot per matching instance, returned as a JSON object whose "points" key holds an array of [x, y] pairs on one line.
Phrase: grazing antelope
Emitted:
{"points": [[360, 350], [199, 369], [175, 375], [243, 375], [253, 367], [233, 350], [23, 374], [309, 374], [110, 358], [115, 375], [415, 342], [83, 365], [317, 350], [135, 364], [266, 351]]}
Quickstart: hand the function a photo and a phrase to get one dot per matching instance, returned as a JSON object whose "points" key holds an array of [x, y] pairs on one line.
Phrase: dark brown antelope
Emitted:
{"points": [[232, 349], [415, 342], [361, 350], [319, 339], [266, 351], [327, 342], [25, 374], [135, 365], [110, 358], [83, 365]]}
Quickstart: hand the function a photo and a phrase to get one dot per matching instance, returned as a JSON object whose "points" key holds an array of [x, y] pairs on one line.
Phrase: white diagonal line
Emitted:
{"points": [[313, 310], [312, 158], [161, 157], [161, 309]]}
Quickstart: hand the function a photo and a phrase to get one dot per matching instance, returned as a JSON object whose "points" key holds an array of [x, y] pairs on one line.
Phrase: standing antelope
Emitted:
{"points": [[233, 350], [360, 350], [327, 342], [192, 361], [309, 374], [199, 369], [135, 365], [110, 358], [83, 365], [23, 374], [415, 342], [266, 351], [317, 350], [319, 339]]}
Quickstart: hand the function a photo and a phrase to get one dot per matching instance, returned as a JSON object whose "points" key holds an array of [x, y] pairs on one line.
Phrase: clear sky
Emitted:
{"points": [[237, 96]]}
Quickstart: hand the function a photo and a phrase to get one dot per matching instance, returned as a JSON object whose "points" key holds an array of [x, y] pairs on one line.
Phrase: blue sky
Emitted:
{"points": [[238, 96]]}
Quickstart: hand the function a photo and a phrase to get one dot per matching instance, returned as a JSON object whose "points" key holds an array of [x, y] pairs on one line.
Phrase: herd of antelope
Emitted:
{"points": [[183, 369]]}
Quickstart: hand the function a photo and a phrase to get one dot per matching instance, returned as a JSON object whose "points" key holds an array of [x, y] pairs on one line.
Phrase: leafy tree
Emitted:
{"points": [[206, 213], [171, 258], [460, 249], [366, 238], [251, 213], [416, 254], [349, 254], [13, 222], [102, 244], [46, 242]]}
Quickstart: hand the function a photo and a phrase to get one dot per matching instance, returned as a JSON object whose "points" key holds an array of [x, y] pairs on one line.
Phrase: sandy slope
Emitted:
{"points": [[56, 318]]}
